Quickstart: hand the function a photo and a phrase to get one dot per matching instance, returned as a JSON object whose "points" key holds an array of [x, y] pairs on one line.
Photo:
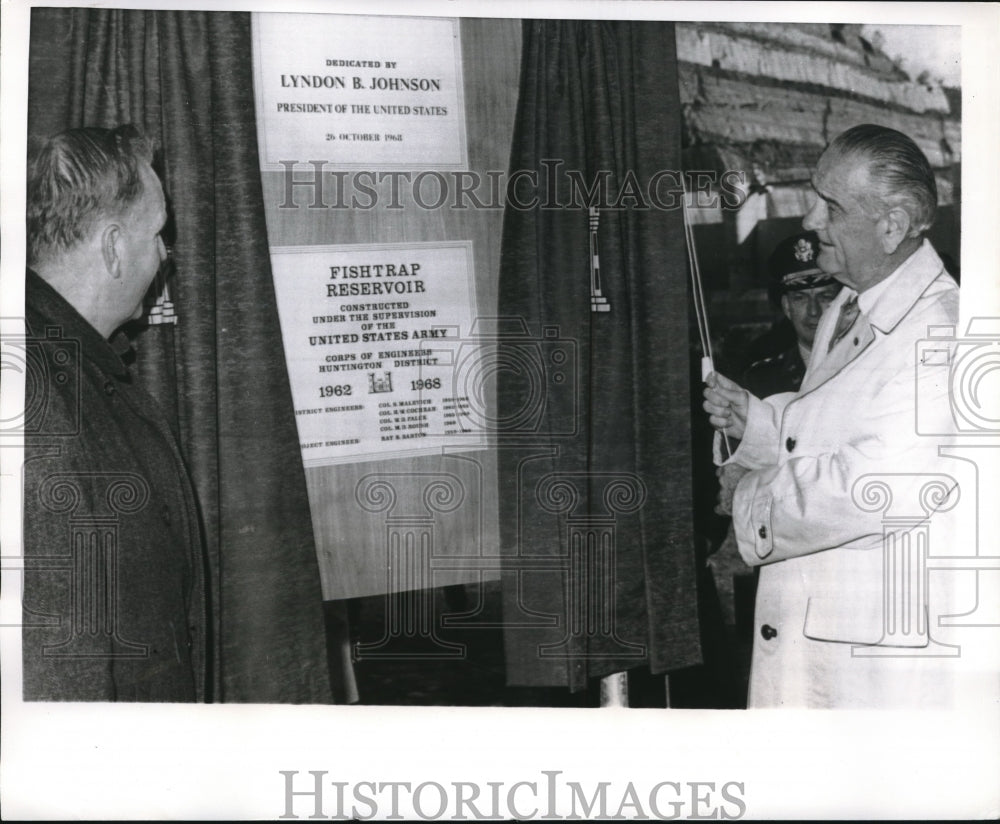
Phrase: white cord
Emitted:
{"points": [[700, 312]]}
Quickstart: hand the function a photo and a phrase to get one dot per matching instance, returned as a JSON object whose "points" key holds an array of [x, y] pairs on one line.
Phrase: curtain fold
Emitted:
{"points": [[596, 513], [186, 78]]}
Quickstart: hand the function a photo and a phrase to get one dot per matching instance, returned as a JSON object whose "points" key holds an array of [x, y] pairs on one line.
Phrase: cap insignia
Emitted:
{"points": [[804, 250]]}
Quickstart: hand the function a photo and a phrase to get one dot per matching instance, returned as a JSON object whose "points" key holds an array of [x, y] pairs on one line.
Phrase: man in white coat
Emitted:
{"points": [[817, 468]]}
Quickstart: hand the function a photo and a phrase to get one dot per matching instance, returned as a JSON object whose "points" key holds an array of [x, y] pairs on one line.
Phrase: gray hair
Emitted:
{"points": [[898, 169], [78, 177]]}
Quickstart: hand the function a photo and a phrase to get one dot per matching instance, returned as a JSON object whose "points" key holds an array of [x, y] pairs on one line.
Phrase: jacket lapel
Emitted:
{"points": [[915, 276]]}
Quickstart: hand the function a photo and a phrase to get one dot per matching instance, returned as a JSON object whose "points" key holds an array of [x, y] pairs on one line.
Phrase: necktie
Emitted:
{"points": [[848, 315]]}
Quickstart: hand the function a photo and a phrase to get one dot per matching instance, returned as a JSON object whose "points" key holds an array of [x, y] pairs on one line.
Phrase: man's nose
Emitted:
{"points": [[813, 219], [814, 309]]}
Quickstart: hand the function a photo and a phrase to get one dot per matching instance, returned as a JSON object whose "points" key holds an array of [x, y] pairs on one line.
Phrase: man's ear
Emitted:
{"points": [[784, 307], [894, 228], [111, 241]]}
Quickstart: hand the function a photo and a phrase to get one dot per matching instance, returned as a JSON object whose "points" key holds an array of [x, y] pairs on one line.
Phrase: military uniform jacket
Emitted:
{"points": [[802, 514], [114, 586], [779, 373]]}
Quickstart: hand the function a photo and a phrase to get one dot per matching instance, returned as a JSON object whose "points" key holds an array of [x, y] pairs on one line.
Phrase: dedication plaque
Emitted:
{"points": [[377, 342], [359, 92]]}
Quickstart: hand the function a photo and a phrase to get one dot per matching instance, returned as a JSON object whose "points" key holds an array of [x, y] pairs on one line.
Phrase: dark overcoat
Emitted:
{"points": [[114, 582]]}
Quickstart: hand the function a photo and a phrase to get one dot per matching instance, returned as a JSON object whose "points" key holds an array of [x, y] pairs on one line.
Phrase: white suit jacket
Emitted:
{"points": [[797, 513]]}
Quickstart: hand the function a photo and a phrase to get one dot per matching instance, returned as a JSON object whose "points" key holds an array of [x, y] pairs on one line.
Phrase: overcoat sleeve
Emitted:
{"points": [[759, 447], [801, 505]]}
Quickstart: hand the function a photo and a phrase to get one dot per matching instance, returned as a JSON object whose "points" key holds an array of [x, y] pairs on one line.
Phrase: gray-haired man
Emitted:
{"points": [[114, 594], [822, 593]]}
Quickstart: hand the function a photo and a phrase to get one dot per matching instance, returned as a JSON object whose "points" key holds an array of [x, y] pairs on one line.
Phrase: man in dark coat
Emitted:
{"points": [[115, 574]]}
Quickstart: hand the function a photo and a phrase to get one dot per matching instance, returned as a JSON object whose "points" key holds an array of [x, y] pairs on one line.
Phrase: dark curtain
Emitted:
{"points": [[596, 510], [186, 79]]}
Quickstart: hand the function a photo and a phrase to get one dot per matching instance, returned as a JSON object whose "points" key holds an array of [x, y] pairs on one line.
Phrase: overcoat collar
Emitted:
{"points": [[910, 280], [58, 312]]}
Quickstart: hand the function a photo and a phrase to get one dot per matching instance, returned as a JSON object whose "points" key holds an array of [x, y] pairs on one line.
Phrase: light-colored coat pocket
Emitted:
{"points": [[853, 621]]}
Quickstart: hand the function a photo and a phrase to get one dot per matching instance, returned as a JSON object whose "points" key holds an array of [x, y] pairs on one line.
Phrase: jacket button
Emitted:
{"points": [[790, 444], [768, 632], [762, 532], [109, 388]]}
